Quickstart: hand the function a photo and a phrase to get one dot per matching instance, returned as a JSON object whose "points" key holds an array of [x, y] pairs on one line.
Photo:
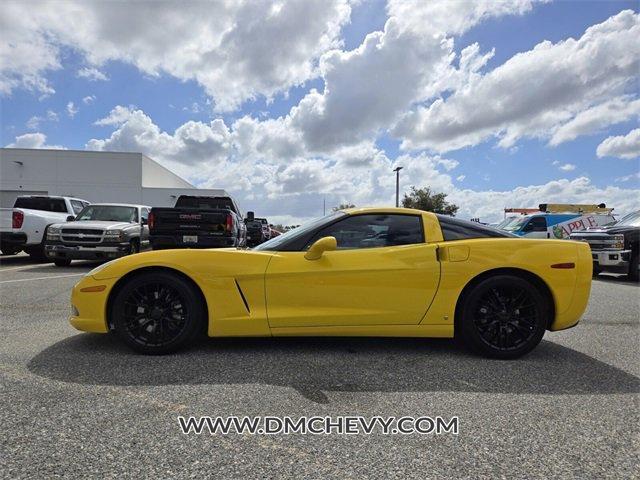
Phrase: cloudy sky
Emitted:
{"points": [[284, 104]]}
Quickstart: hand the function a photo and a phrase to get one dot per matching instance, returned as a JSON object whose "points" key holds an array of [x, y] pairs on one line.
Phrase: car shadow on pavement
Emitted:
{"points": [[616, 280], [316, 365]]}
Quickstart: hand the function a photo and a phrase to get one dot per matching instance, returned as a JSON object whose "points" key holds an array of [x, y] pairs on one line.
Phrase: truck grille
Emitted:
{"points": [[81, 235]]}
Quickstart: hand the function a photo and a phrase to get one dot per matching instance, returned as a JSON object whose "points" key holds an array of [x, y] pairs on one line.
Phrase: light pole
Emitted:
{"points": [[397, 170]]}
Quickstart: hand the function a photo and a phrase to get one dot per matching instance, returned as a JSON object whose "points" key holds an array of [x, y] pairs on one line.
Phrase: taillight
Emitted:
{"points": [[229, 224], [151, 220], [16, 219]]}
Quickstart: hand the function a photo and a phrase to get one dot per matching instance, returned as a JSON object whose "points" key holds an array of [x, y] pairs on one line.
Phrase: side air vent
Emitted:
{"points": [[244, 300]]}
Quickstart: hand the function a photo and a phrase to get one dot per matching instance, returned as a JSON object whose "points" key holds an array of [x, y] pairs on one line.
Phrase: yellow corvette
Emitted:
{"points": [[365, 272]]}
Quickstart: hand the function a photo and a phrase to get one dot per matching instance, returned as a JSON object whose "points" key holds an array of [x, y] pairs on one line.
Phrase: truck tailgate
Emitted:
{"points": [[169, 220], [5, 219]]}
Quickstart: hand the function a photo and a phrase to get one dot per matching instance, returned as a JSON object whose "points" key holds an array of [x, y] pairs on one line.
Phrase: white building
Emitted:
{"points": [[92, 176]]}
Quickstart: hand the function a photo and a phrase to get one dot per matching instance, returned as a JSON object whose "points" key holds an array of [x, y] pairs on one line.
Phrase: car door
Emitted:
{"points": [[536, 228], [383, 273]]}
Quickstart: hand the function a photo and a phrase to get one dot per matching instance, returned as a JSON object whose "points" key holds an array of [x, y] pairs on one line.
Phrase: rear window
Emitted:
{"points": [[42, 203], [205, 203], [455, 229]]}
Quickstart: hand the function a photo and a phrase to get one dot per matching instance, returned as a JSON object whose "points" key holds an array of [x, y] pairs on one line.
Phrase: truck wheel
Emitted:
{"points": [[134, 247], [633, 266], [62, 262], [503, 317], [596, 270], [6, 250]]}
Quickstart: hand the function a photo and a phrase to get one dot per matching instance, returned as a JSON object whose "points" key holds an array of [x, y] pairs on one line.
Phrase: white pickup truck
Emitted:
{"points": [[23, 227]]}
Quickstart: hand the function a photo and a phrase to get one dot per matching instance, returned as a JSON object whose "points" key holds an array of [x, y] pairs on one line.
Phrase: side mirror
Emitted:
{"points": [[250, 216], [144, 221], [70, 218], [324, 244]]}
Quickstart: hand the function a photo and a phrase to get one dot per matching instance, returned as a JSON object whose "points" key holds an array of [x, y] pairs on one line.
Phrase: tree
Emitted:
{"points": [[343, 206], [425, 199]]}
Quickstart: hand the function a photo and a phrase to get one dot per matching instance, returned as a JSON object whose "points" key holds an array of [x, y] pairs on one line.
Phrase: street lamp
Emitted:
{"points": [[397, 170]]}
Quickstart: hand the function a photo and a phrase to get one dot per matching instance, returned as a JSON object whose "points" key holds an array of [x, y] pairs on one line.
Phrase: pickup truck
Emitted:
{"points": [[197, 222], [101, 231], [614, 248], [23, 227]]}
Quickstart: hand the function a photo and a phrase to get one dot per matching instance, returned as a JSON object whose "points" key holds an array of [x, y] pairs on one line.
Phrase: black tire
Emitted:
{"points": [[504, 316], [134, 247], [633, 266], [157, 313], [62, 262], [596, 270], [6, 250]]}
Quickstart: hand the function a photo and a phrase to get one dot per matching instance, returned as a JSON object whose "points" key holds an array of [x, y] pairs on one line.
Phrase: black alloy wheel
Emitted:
{"points": [[504, 317], [157, 313]]}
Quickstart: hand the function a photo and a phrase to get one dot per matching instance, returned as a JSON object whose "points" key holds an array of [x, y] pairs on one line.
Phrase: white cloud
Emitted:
{"points": [[622, 146], [460, 178], [89, 99], [267, 174], [52, 116], [92, 74], [71, 109], [236, 50], [597, 118], [533, 93], [33, 140], [34, 123], [567, 167]]}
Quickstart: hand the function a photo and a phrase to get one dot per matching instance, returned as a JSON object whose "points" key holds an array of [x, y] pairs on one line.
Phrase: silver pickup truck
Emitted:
{"points": [[100, 232]]}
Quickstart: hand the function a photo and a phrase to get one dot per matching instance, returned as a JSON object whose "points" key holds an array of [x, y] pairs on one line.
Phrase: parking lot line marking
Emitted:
{"points": [[41, 278], [24, 267]]}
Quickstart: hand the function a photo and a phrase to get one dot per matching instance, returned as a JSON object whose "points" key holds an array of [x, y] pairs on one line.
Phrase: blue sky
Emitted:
{"points": [[171, 97]]}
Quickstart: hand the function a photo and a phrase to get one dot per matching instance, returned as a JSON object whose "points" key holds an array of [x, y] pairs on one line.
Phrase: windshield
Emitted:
{"points": [[516, 224], [631, 220], [302, 230], [506, 222], [108, 213]]}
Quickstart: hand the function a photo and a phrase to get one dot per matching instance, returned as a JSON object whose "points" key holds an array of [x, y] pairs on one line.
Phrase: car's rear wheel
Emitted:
{"points": [[503, 316], [157, 313]]}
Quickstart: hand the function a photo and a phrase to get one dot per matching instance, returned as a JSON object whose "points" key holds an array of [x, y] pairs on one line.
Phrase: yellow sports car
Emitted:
{"points": [[366, 272]]}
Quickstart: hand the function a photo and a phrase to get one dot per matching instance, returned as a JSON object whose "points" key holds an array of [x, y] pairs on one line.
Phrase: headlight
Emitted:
{"points": [[618, 241], [53, 233]]}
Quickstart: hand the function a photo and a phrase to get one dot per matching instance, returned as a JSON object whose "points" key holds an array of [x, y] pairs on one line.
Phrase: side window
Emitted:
{"points": [[144, 214], [369, 231], [76, 206], [536, 224]]}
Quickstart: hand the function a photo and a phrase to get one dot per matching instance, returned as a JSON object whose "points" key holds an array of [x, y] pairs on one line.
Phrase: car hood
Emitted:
{"points": [[612, 230], [198, 264], [97, 225]]}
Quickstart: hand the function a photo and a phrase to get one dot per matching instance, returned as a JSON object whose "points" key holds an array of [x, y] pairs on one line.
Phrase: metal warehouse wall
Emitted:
{"points": [[92, 176]]}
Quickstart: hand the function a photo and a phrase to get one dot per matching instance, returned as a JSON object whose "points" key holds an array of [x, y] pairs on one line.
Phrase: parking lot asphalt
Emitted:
{"points": [[81, 405]]}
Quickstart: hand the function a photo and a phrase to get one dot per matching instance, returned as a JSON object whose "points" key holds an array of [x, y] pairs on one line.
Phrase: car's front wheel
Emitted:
{"points": [[503, 316], [157, 313]]}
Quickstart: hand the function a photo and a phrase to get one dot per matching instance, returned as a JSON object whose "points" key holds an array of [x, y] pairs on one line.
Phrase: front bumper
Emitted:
{"points": [[612, 260], [55, 251], [89, 308], [14, 239]]}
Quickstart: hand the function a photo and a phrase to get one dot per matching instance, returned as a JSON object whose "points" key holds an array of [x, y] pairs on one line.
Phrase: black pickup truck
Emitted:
{"points": [[197, 222], [614, 247]]}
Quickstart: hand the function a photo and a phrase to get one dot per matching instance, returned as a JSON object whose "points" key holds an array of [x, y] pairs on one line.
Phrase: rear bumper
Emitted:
{"points": [[84, 252], [159, 242], [16, 239], [612, 260]]}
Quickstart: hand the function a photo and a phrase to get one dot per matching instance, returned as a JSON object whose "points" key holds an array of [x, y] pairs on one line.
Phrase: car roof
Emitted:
{"points": [[118, 205], [360, 210]]}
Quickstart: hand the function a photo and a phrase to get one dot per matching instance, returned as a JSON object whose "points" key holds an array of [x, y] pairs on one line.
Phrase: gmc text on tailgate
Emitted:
{"points": [[197, 222]]}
